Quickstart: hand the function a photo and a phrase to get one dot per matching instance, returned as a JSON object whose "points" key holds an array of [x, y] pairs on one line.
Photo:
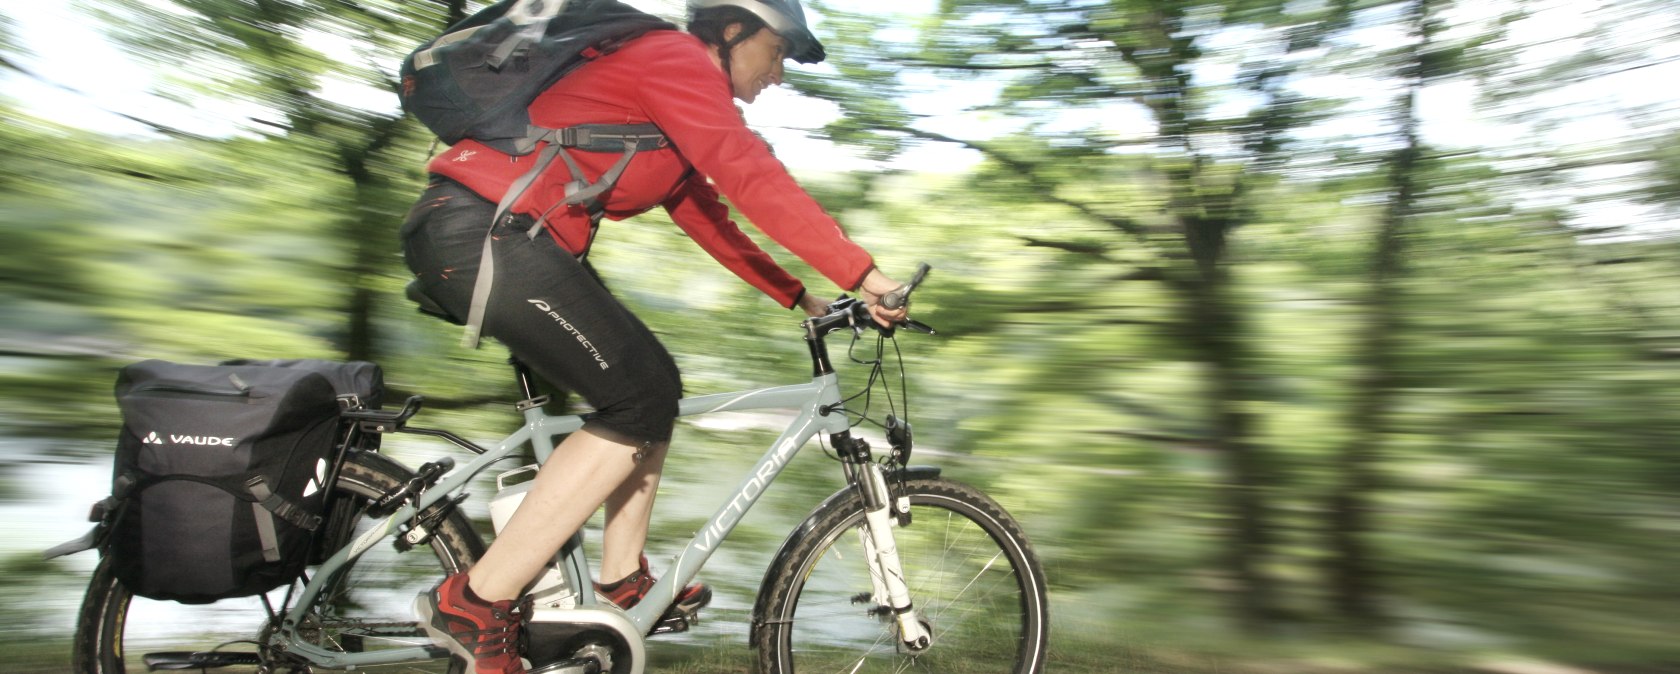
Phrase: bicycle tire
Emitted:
{"points": [[106, 615], [973, 577]]}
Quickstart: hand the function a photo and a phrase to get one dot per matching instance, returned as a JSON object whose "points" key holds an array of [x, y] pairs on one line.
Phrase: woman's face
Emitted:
{"points": [[756, 64]]}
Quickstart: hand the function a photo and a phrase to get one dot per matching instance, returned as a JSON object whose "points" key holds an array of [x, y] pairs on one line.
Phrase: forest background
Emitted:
{"points": [[1282, 368]]}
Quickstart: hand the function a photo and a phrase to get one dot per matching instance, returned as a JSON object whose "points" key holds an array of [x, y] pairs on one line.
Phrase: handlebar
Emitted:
{"points": [[854, 313]]}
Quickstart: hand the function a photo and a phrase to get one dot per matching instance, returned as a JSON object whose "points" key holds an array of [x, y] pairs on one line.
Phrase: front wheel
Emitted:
{"points": [[973, 577]]}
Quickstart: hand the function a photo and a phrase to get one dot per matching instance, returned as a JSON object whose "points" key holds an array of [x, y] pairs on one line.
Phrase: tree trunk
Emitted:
{"points": [[1216, 327], [1246, 476], [1353, 579], [1214, 320], [369, 231]]}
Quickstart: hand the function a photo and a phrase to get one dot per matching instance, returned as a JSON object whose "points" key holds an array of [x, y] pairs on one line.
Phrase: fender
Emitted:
{"points": [[761, 604]]}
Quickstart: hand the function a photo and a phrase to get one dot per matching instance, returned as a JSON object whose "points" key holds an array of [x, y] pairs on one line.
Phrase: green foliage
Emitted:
{"points": [[1524, 504], [1664, 187], [8, 38]]}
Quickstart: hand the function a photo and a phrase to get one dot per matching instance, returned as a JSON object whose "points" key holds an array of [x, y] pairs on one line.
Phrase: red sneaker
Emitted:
{"points": [[484, 633], [633, 588]]}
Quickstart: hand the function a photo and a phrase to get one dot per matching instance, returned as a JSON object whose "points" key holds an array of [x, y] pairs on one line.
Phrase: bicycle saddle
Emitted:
{"points": [[427, 305]]}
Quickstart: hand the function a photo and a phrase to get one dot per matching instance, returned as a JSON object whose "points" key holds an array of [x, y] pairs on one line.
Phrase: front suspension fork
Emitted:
{"points": [[886, 571]]}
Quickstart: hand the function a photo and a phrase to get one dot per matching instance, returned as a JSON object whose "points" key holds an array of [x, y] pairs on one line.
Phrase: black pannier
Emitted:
{"points": [[359, 384], [220, 474]]}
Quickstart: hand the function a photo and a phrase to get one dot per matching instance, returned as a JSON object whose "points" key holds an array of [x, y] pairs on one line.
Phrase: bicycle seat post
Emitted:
{"points": [[522, 373]]}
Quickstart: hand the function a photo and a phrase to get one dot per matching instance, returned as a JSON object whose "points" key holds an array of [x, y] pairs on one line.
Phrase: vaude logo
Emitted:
{"points": [[201, 440]]}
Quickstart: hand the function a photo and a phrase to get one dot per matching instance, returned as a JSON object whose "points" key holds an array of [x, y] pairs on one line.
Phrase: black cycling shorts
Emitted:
{"points": [[548, 309]]}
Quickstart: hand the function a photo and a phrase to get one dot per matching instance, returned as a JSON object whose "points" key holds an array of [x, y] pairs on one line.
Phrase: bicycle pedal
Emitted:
{"points": [[674, 623]]}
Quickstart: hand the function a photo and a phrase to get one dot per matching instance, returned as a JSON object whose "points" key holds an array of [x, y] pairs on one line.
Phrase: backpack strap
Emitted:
{"points": [[626, 138], [104, 512], [270, 505]]}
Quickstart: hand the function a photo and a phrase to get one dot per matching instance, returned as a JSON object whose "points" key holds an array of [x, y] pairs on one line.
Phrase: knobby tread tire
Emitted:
{"points": [[828, 527], [97, 646]]}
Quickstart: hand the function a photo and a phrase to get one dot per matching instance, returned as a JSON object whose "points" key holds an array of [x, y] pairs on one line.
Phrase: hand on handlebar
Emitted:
{"points": [[812, 305], [876, 286], [883, 303]]}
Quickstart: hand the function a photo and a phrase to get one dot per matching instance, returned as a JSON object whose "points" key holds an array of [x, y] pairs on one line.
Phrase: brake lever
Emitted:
{"points": [[914, 325]]}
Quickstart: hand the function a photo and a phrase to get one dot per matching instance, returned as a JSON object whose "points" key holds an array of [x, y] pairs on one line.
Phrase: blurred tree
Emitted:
{"points": [[1595, 152], [1580, 83], [1120, 108], [8, 42], [273, 54], [1664, 187], [1442, 341], [1352, 573]]}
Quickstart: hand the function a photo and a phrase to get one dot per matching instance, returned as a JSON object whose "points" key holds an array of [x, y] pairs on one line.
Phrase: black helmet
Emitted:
{"points": [[785, 17]]}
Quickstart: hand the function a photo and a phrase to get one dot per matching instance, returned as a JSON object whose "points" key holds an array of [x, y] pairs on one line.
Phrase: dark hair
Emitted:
{"points": [[710, 23]]}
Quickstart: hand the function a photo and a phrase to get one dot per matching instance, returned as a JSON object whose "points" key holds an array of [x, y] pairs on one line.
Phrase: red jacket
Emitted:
{"points": [[667, 78]]}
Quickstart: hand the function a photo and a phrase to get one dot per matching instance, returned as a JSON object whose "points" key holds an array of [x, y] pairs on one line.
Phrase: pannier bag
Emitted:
{"points": [[219, 477], [356, 383], [359, 384]]}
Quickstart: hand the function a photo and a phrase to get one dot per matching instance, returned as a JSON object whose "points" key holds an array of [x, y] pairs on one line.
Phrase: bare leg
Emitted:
{"points": [[585, 469], [629, 509]]}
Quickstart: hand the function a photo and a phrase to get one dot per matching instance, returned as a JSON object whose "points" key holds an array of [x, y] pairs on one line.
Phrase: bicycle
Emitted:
{"points": [[946, 579]]}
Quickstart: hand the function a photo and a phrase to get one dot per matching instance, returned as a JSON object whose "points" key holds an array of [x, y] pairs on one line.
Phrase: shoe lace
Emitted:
{"points": [[502, 639], [523, 610]]}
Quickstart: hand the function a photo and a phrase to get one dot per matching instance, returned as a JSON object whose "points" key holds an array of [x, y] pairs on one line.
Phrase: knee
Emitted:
{"points": [[647, 413], [660, 400]]}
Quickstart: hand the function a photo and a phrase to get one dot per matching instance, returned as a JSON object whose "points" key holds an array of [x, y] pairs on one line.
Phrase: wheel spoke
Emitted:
{"points": [[963, 558]]}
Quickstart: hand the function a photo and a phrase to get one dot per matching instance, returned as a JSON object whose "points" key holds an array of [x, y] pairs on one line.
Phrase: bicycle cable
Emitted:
{"points": [[865, 393], [877, 376]]}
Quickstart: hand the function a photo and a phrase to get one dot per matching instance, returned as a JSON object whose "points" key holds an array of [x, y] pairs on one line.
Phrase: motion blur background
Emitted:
{"points": [[1308, 335]]}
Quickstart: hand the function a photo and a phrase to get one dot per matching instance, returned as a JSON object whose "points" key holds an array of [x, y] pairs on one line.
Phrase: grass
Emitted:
{"points": [[1069, 654], [40, 656]]}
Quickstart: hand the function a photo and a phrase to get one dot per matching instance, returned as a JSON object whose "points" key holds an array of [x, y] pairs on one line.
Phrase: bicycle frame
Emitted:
{"points": [[539, 431]]}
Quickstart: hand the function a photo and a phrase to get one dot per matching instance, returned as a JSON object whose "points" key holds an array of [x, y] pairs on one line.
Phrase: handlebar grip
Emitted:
{"points": [[898, 298]]}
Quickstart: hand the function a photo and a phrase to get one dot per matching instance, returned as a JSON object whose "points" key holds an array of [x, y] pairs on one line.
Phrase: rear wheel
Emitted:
{"points": [[973, 577], [366, 608]]}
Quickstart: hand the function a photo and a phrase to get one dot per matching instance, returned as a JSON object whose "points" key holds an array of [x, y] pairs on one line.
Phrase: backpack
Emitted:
{"points": [[478, 78], [219, 478]]}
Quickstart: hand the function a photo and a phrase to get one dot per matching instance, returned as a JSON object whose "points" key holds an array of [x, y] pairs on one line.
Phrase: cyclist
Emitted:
{"points": [[550, 310]]}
